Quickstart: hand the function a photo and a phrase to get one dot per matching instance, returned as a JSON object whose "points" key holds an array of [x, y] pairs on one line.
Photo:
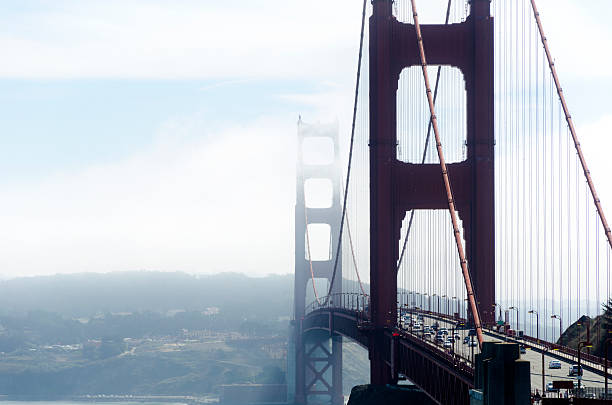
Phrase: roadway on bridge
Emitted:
{"points": [[589, 379]]}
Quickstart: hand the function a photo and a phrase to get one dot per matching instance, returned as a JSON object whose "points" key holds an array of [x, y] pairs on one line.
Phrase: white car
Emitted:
{"points": [[554, 364]]}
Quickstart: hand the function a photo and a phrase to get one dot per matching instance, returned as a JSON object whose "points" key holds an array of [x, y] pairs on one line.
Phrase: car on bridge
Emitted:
{"points": [[439, 339], [448, 344], [472, 343], [554, 364], [575, 370], [457, 336], [466, 340], [522, 349]]}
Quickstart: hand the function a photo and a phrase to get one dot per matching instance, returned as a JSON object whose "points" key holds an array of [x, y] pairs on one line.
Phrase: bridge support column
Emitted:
{"points": [[501, 378], [384, 226]]}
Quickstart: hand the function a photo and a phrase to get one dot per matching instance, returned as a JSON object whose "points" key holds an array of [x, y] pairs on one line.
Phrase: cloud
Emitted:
{"points": [[596, 142], [578, 32], [189, 39], [169, 39], [223, 202]]}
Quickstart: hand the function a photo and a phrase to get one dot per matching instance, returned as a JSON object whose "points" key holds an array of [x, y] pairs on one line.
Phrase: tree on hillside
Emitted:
{"points": [[607, 315]]}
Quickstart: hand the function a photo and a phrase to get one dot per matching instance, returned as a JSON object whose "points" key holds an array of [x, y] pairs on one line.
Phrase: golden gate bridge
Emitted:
{"points": [[466, 202]]}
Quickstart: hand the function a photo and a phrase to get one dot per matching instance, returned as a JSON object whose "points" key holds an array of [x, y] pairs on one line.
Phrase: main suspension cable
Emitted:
{"points": [[570, 123], [449, 194], [350, 157]]}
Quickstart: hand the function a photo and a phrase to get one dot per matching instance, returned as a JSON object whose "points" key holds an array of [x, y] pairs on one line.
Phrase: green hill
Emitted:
{"points": [[594, 330]]}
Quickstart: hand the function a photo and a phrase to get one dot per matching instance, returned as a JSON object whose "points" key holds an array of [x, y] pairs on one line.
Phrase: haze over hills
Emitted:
{"points": [[86, 294], [146, 333], [141, 333]]}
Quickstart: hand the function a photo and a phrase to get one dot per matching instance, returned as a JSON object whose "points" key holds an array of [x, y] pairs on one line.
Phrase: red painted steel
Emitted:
{"points": [[444, 377], [384, 224], [395, 187]]}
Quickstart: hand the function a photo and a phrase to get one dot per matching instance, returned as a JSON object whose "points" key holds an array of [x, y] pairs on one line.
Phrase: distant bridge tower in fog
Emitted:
{"points": [[317, 368]]}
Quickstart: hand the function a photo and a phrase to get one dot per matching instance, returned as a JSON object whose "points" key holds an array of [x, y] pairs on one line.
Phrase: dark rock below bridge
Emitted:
{"points": [[389, 394]]}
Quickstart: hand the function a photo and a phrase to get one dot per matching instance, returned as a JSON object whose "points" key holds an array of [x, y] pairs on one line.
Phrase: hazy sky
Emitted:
{"points": [[160, 134]]}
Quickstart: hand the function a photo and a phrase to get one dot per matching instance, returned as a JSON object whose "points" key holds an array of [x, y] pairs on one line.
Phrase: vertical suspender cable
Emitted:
{"points": [[531, 145], [578, 231], [523, 157], [569, 229], [570, 123], [505, 254], [449, 194], [537, 175], [348, 171], [513, 162], [350, 237]]}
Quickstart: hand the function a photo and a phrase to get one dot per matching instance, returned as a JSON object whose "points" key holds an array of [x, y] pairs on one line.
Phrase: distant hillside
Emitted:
{"points": [[87, 294], [598, 330]]}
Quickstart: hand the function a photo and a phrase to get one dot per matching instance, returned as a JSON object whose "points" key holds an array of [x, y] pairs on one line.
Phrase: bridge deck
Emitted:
{"points": [[430, 366]]}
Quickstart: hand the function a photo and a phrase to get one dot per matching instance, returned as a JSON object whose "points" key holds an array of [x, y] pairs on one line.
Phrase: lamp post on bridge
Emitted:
{"points": [[532, 312], [580, 345], [436, 295], [517, 317], [447, 311], [560, 327]]}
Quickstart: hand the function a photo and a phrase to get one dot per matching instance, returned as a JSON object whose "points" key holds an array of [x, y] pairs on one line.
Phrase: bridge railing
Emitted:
{"points": [[360, 304], [357, 302], [562, 350]]}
